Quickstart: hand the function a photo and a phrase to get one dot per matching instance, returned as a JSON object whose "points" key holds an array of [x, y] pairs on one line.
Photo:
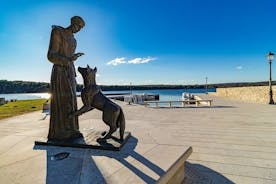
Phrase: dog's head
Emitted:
{"points": [[88, 72]]}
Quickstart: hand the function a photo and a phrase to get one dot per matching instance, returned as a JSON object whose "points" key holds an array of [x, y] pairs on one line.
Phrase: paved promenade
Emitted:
{"points": [[232, 142]]}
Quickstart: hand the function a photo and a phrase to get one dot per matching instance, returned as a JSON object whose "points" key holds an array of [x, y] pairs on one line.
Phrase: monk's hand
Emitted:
{"points": [[75, 56]]}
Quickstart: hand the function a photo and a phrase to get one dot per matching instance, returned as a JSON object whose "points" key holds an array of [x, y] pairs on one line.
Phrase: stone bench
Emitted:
{"points": [[176, 173]]}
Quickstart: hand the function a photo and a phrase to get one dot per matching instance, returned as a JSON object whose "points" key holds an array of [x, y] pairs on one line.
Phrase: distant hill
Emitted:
{"points": [[23, 87], [40, 87]]}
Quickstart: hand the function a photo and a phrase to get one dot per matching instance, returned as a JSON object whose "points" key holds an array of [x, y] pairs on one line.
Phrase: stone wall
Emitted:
{"points": [[254, 94]]}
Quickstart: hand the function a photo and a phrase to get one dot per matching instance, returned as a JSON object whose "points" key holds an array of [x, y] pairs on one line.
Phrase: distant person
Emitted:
{"points": [[63, 83]]}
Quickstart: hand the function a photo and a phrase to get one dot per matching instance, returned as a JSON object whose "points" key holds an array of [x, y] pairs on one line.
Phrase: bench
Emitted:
{"points": [[183, 102], [176, 173], [208, 102]]}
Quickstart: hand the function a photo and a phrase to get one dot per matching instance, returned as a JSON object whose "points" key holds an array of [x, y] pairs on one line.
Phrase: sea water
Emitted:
{"points": [[164, 94], [25, 96]]}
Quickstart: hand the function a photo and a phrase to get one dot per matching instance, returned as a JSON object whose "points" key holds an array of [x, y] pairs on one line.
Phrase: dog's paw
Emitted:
{"points": [[101, 140]]}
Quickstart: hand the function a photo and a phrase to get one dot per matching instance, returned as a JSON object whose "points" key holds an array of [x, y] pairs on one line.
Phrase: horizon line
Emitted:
{"points": [[161, 84]]}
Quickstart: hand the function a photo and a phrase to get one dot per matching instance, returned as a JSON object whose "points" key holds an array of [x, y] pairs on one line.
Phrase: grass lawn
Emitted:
{"points": [[20, 107]]}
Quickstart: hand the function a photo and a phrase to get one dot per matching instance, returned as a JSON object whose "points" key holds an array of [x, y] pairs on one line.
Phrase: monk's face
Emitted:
{"points": [[76, 27]]}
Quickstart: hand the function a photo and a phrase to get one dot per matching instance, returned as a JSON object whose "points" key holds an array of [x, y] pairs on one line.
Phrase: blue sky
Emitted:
{"points": [[144, 41]]}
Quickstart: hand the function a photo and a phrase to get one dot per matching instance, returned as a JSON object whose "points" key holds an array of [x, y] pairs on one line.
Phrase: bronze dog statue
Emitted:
{"points": [[92, 97]]}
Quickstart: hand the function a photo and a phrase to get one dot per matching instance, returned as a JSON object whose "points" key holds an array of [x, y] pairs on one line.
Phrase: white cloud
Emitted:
{"points": [[138, 60], [141, 60], [146, 82], [117, 61], [239, 67]]}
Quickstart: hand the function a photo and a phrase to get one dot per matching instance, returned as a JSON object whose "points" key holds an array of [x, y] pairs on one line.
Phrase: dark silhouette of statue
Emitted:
{"points": [[63, 83]]}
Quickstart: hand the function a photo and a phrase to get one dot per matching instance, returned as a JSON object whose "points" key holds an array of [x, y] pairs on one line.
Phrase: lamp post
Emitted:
{"points": [[130, 88], [270, 57], [206, 87]]}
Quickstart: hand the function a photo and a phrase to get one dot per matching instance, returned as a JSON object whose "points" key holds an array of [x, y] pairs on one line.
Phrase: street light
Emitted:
{"points": [[206, 87], [130, 88], [270, 57]]}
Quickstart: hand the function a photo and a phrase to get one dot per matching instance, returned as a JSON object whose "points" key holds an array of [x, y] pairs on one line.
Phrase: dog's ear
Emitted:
{"points": [[88, 66], [95, 69]]}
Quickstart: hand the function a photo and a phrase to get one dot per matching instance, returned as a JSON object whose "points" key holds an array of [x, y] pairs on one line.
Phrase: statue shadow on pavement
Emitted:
{"points": [[77, 165]]}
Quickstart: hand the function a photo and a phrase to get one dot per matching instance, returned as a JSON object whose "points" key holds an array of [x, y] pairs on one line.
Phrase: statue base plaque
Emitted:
{"points": [[91, 139]]}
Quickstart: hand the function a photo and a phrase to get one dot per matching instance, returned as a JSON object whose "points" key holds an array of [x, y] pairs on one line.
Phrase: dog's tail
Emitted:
{"points": [[122, 124]]}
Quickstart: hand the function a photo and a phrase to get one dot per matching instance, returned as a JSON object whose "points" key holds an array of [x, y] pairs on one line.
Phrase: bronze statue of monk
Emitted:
{"points": [[63, 83]]}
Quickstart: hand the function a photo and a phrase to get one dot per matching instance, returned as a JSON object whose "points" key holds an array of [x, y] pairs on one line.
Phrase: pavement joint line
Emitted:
{"points": [[249, 177], [258, 145], [195, 147], [215, 132], [230, 126], [8, 149], [198, 160], [225, 173], [155, 141], [222, 138], [220, 148], [236, 156], [3, 166], [15, 129], [193, 128], [16, 135]]}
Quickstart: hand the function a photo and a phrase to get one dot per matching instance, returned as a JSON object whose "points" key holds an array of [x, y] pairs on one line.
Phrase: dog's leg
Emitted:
{"points": [[87, 101], [82, 110], [112, 124], [122, 124], [108, 135]]}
